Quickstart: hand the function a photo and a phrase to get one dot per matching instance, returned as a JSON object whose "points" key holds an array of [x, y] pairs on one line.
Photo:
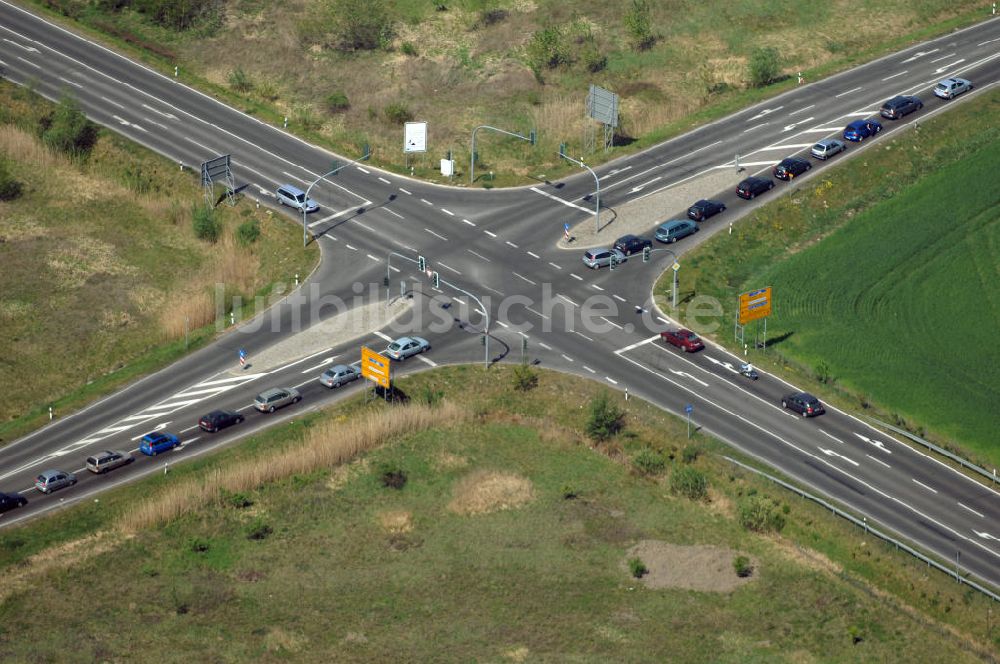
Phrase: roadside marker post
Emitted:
{"points": [[688, 409], [243, 358]]}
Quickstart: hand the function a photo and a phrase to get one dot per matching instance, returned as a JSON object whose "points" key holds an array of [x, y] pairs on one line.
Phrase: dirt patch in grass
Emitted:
{"points": [[485, 491], [396, 521], [704, 568]]}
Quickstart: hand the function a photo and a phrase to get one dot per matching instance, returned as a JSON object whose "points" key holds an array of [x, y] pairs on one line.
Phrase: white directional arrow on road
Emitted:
{"points": [[948, 66], [835, 454], [796, 124], [727, 365], [877, 443], [644, 184], [159, 427], [987, 536], [766, 111], [920, 54], [684, 373], [185, 443]]}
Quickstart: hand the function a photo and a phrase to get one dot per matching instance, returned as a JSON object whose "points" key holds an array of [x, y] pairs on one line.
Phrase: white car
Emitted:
{"points": [[404, 347], [950, 88]]}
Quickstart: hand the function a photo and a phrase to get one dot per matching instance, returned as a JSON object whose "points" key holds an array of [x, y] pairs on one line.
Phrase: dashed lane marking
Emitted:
{"points": [[490, 234], [576, 276], [582, 335], [589, 369], [558, 267], [437, 235], [479, 256], [524, 278], [448, 212], [466, 221], [619, 298]]}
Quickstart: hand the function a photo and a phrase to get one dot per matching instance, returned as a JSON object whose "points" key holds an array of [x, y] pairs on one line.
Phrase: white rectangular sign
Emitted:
{"points": [[447, 167], [415, 137]]}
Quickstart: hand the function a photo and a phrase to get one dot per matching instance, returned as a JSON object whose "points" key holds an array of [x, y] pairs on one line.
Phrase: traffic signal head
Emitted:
{"points": [[437, 280], [421, 263], [533, 137], [646, 251]]}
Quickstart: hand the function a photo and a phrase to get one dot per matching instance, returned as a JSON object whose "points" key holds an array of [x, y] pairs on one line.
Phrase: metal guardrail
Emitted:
{"points": [[940, 450], [870, 529]]}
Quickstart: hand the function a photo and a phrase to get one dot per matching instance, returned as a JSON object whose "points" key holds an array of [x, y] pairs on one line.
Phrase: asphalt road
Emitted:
{"points": [[501, 246]]}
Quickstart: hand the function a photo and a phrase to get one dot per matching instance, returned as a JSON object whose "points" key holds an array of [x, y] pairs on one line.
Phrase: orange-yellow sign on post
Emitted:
{"points": [[755, 304], [375, 367]]}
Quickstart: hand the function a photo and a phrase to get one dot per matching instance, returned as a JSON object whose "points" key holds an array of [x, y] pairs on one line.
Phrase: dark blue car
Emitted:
{"points": [[158, 441], [859, 130]]}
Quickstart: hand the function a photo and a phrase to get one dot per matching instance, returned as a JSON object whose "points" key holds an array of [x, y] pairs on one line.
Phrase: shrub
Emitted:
{"points": [[10, 188], [823, 373], [639, 25], [492, 15], [360, 26], [547, 49], [606, 419], [248, 232], [637, 568], [764, 66], [393, 477], [206, 226], [569, 492], [240, 81], [690, 453], [258, 530], [742, 566], [408, 49], [67, 129], [176, 14], [760, 514], [397, 113], [689, 482], [594, 60], [525, 379], [337, 102], [198, 545], [236, 499], [649, 462]]}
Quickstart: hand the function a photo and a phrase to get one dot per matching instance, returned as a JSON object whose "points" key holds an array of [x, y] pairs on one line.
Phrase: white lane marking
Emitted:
{"points": [[533, 254], [611, 380], [558, 267], [503, 324], [556, 198], [511, 244], [878, 460], [330, 217], [686, 374], [66, 80], [169, 116], [663, 320], [163, 126], [365, 171], [611, 322], [988, 41], [618, 297], [948, 66], [834, 438], [943, 57], [214, 151], [424, 200], [636, 345], [795, 146], [763, 124], [848, 92], [589, 369], [373, 258], [140, 128], [831, 453], [405, 191], [686, 155], [979, 514], [640, 187], [545, 346], [567, 299], [159, 427], [493, 290], [877, 443], [567, 357], [490, 234], [350, 247], [448, 267], [29, 62], [423, 359], [923, 485], [525, 278], [223, 381], [384, 180], [614, 172], [479, 256], [448, 212], [466, 221], [395, 214], [766, 111], [113, 103], [596, 287], [321, 364], [298, 361], [121, 120], [576, 276], [920, 54], [537, 313], [888, 78], [582, 335], [802, 109], [29, 49], [437, 235], [382, 335], [789, 127]]}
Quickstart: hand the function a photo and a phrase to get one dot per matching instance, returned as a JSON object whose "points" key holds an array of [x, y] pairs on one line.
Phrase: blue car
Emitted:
{"points": [[158, 441], [859, 130]]}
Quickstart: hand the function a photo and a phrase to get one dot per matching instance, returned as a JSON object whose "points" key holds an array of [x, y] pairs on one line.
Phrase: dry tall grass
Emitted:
{"points": [[326, 445], [28, 149], [482, 491], [187, 311]]}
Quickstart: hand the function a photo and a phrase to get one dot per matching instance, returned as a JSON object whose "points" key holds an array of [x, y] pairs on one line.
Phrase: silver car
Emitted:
{"points": [[595, 259], [52, 480], [107, 460], [270, 400], [950, 88], [404, 347], [827, 148], [339, 374]]}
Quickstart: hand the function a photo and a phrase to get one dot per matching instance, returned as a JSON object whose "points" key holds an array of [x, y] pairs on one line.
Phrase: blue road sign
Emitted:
{"points": [[689, 409], [243, 353]]}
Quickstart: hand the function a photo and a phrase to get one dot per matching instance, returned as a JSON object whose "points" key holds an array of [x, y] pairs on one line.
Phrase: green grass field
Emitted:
{"points": [[885, 271], [459, 64], [101, 270], [480, 556]]}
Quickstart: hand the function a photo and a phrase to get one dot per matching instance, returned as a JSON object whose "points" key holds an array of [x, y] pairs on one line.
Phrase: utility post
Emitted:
{"points": [[532, 138], [597, 183], [337, 166]]}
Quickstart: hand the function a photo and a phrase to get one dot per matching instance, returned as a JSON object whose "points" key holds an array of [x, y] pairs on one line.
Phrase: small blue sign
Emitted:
{"points": [[243, 353], [566, 227], [689, 409]]}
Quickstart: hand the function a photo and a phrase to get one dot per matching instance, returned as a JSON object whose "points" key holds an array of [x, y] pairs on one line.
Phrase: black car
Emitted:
{"points": [[632, 244], [703, 209], [899, 106], [754, 186], [789, 168], [803, 403], [9, 501], [219, 419]]}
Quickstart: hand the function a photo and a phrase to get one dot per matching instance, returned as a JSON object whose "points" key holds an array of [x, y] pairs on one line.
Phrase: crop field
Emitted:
{"points": [[349, 76], [885, 271], [478, 523], [102, 277]]}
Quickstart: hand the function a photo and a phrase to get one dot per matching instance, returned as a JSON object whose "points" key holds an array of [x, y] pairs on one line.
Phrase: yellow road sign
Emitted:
{"points": [[375, 367], [755, 304]]}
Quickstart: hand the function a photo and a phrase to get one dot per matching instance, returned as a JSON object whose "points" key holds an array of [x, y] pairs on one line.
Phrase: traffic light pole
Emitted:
{"points": [[676, 267], [597, 184], [531, 137], [485, 311]]}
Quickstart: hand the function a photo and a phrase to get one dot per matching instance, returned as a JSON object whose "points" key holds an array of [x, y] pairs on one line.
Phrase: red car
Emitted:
{"points": [[686, 340]]}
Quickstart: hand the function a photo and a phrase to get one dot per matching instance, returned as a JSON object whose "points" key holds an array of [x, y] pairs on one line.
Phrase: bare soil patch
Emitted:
{"points": [[702, 567], [485, 491]]}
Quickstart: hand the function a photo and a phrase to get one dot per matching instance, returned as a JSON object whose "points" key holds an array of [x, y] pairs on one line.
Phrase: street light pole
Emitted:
{"points": [[364, 157], [472, 161], [597, 183]]}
